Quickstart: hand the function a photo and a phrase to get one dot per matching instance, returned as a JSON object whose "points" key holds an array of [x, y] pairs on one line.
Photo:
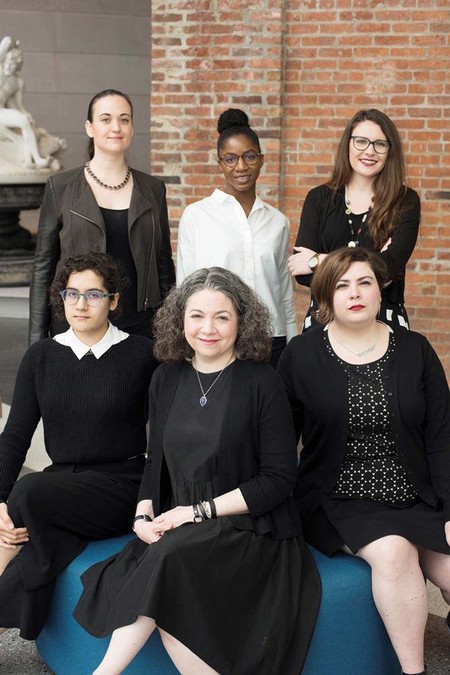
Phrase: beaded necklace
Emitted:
{"points": [[348, 212], [104, 185]]}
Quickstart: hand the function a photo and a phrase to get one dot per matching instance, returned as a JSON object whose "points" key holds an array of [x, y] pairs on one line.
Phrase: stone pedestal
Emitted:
{"points": [[17, 244]]}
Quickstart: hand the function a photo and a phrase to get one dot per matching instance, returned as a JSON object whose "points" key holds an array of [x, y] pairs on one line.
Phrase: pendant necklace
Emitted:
{"points": [[364, 352], [203, 400], [104, 185], [348, 212]]}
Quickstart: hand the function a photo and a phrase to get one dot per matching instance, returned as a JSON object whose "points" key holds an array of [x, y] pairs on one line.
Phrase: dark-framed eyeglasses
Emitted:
{"points": [[92, 298], [250, 157], [362, 143]]}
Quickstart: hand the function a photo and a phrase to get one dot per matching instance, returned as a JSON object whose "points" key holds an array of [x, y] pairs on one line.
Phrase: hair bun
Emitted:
{"points": [[233, 117]]}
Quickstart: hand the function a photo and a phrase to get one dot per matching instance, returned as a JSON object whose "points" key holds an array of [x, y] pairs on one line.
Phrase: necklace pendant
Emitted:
{"points": [[203, 401], [352, 244]]}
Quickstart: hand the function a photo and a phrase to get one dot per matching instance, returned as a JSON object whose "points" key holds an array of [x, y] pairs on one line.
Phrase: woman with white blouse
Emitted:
{"points": [[235, 229]]}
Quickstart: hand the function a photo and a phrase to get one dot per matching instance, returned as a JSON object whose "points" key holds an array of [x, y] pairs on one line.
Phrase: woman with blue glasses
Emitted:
{"points": [[365, 203], [89, 386]]}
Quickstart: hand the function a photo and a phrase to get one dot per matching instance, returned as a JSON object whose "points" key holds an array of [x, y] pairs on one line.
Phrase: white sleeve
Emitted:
{"points": [[286, 285], [185, 248]]}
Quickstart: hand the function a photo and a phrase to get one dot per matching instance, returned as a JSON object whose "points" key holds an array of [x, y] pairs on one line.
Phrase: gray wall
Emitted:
{"points": [[74, 48]]}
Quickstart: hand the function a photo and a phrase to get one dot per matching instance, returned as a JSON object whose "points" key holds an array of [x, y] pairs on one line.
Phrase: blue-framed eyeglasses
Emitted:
{"points": [[92, 298]]}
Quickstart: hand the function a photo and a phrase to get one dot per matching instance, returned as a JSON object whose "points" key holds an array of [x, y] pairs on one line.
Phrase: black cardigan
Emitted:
{"points": [[418, 402], [324, 228], [257, 450]]}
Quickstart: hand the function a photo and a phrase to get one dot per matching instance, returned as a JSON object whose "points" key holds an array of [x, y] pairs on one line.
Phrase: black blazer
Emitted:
{"points": [[71, 223], [257, 450]]}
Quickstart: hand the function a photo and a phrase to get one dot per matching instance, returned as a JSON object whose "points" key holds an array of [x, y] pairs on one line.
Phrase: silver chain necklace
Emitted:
{"points": [[203, 400], [364, 351]]}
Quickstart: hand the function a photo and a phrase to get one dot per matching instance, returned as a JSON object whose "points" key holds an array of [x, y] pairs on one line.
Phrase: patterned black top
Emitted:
{"points": [[372, 467]]}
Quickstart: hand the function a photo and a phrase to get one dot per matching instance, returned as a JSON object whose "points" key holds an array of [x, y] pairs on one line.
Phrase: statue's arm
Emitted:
{"points": [[16, 100], [5, 44]]}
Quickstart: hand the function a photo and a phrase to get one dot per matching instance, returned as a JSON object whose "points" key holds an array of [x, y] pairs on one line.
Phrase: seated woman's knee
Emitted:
{"points": [[28, 493], [391, 556]]}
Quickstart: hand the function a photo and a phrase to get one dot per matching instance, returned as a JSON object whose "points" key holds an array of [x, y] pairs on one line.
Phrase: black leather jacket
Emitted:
{"points": [[71, 223]]}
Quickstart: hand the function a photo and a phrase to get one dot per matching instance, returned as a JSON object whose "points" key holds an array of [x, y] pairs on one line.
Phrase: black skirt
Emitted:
{"points": [[357, 522], [244, 603]]}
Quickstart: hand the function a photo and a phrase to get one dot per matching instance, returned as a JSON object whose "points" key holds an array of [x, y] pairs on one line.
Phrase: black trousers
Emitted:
{"points": [[63, 508]]}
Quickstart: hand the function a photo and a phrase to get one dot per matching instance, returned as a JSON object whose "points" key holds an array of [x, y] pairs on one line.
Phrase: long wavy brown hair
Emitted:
{"points": [[389, 188], [253, 337]]}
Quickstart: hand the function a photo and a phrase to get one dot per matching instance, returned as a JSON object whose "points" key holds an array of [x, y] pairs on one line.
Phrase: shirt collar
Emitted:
{"points": [[221, 196], [112, 337]]}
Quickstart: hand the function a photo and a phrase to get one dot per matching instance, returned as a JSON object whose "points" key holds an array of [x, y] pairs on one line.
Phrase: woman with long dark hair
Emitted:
{"points": [[109, 205], [365, 203]]}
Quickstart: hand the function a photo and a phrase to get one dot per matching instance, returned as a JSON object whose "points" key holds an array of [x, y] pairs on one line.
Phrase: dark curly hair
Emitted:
{"points": [[253, 337], [331, 269], [234, 122], [90, 112], [103, 265]]}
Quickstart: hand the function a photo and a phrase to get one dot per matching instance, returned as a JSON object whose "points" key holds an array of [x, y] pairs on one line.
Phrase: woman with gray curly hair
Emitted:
{"points": [[217, 533]]}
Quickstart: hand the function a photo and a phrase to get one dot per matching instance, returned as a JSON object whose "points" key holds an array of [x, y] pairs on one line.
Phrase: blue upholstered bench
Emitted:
{"points": [[349, 638]]}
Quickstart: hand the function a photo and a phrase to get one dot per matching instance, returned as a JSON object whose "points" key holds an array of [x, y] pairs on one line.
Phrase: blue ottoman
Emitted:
{"points": [[349, 638], [66, 648]]}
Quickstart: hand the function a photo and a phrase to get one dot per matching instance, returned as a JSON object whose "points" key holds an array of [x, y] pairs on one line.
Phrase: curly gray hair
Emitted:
{"points": [[254, 329]]}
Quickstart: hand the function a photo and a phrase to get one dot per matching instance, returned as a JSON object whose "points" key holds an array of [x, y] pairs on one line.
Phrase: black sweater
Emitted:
{"points": [[93, 410]]}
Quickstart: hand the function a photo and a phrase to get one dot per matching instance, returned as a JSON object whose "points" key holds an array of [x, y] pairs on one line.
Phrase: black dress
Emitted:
{"points": [[231, 596], [373, 496]]}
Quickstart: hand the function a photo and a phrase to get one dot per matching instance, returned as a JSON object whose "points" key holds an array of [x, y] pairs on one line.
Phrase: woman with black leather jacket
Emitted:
{"points": [[108, 206]]}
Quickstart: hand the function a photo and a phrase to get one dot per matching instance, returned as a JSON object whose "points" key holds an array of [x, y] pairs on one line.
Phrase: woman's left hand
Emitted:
{"points": [[298, 263], [447, 531], [174, 518]]}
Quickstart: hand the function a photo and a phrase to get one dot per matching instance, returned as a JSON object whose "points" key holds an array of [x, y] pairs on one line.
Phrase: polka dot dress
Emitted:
{"points": [[372, 468]]}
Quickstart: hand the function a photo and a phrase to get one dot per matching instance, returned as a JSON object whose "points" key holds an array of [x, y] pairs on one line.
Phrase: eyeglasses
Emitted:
{"points": [[93, 298], [249, 157], [362, 143]]}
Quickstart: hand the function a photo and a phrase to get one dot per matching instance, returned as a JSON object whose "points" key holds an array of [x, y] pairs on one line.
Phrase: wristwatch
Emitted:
{"points": [[141, 516], [313, 262]]}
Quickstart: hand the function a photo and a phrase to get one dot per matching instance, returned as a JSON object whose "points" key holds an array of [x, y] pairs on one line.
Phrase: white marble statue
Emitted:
{"points": [[22, 144]]}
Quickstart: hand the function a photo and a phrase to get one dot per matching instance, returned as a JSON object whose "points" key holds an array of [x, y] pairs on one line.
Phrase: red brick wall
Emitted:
{"points": [[301, 68]]}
